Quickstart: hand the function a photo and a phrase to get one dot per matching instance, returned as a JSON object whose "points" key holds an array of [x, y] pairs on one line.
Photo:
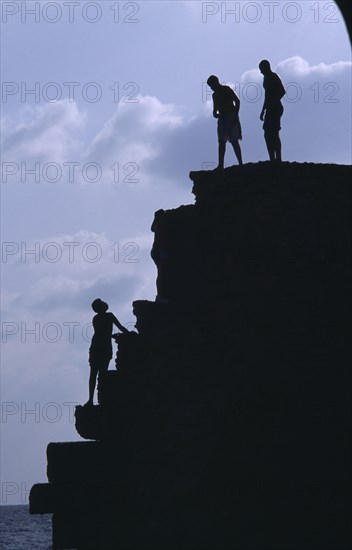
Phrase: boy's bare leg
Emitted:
{"points": [[277, 144], [238, 152], [270, 145], [222, 149], [92, 384]]}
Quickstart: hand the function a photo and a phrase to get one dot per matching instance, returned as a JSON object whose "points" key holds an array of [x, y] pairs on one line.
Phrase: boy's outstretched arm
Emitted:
{"points": [[118, 324]]}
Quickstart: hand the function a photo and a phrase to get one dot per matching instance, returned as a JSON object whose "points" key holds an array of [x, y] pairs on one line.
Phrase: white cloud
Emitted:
{"points": [[298, 67], [253, 75], [135, 131], [67, 271], [43, 132]]}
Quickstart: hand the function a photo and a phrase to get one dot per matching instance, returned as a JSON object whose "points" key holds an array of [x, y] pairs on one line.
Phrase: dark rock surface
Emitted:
{"points": [[227, 422]]}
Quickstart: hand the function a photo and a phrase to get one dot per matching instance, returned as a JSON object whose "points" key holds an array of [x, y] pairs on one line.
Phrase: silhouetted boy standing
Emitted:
{"points": [[272, 110], [226, 106], [100, 351]]}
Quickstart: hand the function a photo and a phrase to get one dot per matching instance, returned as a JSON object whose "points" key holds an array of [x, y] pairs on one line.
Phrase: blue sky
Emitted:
{"points": [[121, 114]]}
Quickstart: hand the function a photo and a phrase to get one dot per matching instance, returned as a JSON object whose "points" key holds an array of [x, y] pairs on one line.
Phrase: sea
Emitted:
{"points": [[19, 530]]}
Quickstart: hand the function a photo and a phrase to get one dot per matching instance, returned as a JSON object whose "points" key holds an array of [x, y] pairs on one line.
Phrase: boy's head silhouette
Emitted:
{"points": [[213, 82], [264, 67], [99, 306]]}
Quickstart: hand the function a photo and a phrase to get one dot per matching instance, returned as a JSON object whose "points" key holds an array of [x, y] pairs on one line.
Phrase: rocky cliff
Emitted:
{"points": [[226, 424]]}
